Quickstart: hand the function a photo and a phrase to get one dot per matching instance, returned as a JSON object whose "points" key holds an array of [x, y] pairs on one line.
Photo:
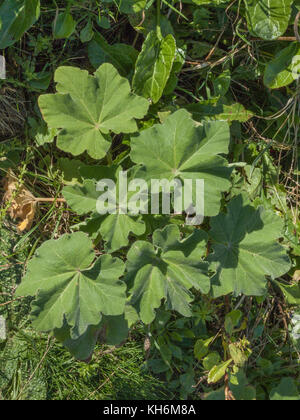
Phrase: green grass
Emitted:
{"points": [[35, 367]]}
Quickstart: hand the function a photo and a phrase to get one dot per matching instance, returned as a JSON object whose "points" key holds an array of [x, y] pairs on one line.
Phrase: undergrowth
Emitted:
{"points": [[201, 89]]}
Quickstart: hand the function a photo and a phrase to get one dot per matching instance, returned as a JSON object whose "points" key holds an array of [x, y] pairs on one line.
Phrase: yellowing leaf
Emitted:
{"points": [[218, 372]]}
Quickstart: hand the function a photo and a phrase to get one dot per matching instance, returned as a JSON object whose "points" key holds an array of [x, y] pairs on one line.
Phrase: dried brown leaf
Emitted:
{"points": [[22, 204], [296, 276]]}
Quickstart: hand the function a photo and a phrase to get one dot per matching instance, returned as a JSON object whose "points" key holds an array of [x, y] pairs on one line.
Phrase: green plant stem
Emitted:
{"points": [[158, 28]]}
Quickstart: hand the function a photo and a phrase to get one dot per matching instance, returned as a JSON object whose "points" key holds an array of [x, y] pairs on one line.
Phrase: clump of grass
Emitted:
{"points": [[113, 374], [34, 366], [13, 112]]}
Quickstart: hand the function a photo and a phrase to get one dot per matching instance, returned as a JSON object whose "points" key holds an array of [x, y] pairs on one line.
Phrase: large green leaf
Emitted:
{"points": [[268, 19], [168, 269], [246, 249], [70, 287], [153, 66], [180, 149], [16, 17], [114, 228], [87, 108], [280, 71]]}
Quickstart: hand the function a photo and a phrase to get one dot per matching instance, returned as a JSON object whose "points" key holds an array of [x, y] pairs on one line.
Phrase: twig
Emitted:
{"points": [[50, 200], [12, 301], [286, 328], [212, 51], [228, 394], [281, 38], [296, 27]]}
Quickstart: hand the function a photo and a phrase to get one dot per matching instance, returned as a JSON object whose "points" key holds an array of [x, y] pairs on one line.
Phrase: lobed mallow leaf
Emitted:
{"points": [[182, 149], [168, 269], [70, 287], [246, 249], [114, 228], [88, 108]]}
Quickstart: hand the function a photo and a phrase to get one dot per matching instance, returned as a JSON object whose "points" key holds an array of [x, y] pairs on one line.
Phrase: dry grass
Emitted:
{"points": [[13, 112]]}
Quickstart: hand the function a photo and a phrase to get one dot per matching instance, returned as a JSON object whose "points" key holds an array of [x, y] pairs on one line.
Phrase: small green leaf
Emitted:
{"points": [[64, 25], [211, 360], [232, 320], [40, 131], [122, 56], [202, 347], [222, 83], [177, 66], [218, 395], [70, 170], [280, 71], [40, 80], [114, 229], [104, 22], [87, 33], [291, 292], [153, 66], [218, 372]]}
